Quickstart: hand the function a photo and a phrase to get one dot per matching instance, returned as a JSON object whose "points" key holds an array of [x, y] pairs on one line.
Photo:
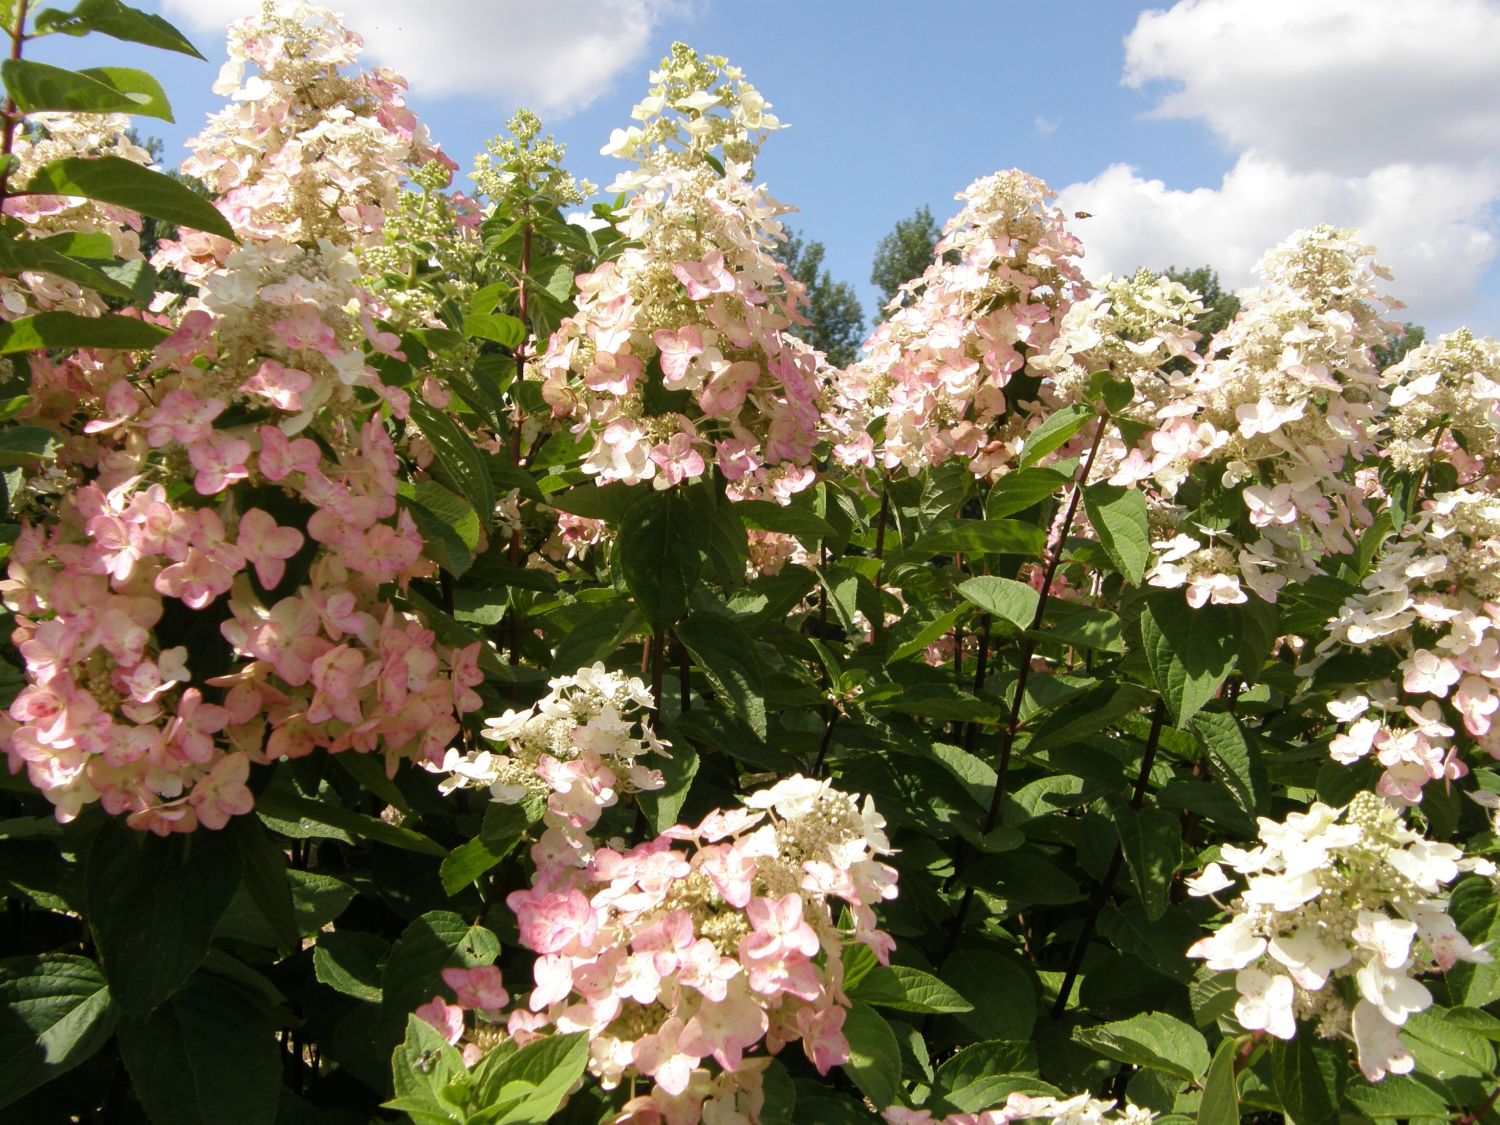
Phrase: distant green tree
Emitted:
{"points": [[1220, 307], [904, 254], [1411, 336], [838, 323]]}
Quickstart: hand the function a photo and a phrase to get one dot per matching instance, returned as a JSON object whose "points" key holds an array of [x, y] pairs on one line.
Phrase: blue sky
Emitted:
{"points": [[1197, 132]]}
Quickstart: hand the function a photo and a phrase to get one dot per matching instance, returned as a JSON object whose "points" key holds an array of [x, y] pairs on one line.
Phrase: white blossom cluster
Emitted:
{"points": [[1341, 909], [576, 748]]}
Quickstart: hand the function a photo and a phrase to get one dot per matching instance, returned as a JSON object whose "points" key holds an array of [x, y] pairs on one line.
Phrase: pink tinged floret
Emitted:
{"points": [[823, 1036], [266, 546], [778, 929], [678, 461], [660, 1056], [703, 279], [222, 793], [220, 461], [477, 989], [447, 1018], [553, 974], [280, 457], [196, 581], [182, 417], [338, 676], [282, 386], [556, 922], [678, 350], [304, 328], [726, 390], [724, 1028], [122, 402]]}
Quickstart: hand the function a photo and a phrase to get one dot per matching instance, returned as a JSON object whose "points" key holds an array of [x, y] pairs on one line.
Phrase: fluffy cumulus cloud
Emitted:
{"points": [[1378, 114], [555, 56]]}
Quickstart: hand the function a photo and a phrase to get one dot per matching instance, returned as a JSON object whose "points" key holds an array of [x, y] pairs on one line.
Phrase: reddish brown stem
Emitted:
{"points": [[12, 117]]}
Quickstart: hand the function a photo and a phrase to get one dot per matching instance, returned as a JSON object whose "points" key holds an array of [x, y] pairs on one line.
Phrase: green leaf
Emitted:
{"points": [[118, 21], [110, 179], [38, 87], [662, 546], [501, 831], [766, 515], [1307, 1077], [983, 1075], [608, 502], [349, 962], [153, 904], [1118, 516], [316, 900], [69, 330], [1052, 434], [504, 330], [874, 1055], [907, 990], [727, 657], [1153, 1039], [207, 1054], [423, 1065], [976, 537], [35, 254], [1398, 1096], [266, 879], [449, 526], [26, 445], [57, 1013], [1002, 991], [283, 804], [412, 974], [528, 1087], [1190, 651], [459, 465], [1235, 758], [1221, 1091], [1152, 843], [1477, 911], [146, 91], [1002, 598], [1021, 489], [662, 806]]}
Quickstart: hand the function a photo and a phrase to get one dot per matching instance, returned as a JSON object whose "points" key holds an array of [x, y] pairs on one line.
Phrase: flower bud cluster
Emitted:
{"points": [[707, 943], [306, 151], [1082, 1109], [1445, 406], [1281, 409], [935, 374], [1341, 909], [678, 354], [1434, 598], [576, 749]]}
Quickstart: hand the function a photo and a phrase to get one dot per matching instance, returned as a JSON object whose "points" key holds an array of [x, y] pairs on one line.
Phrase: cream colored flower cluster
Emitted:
{"points": [[1341, 909]]}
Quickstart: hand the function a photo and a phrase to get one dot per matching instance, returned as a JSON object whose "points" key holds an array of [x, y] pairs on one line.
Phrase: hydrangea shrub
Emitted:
{"points": [[468, 660]]}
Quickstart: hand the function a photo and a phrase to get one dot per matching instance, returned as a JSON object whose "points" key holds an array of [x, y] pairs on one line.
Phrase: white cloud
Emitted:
{"points": [[1431, 226], [1338, 85], [1378, 114], [555, 56], [1046, 126]]}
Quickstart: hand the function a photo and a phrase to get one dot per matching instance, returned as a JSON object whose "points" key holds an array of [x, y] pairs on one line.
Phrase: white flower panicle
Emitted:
{"points": [[1341, 909], [576, 748]]}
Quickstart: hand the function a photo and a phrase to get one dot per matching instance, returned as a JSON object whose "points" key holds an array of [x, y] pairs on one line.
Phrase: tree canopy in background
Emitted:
{"points": [[838, 323]]}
